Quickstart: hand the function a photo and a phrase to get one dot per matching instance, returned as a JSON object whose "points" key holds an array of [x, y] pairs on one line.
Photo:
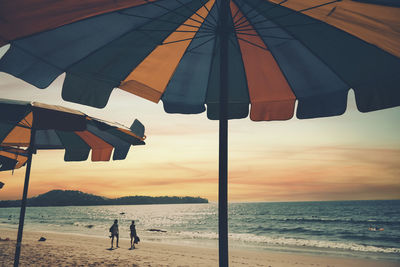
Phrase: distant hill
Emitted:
{"points": [[78, 198]]}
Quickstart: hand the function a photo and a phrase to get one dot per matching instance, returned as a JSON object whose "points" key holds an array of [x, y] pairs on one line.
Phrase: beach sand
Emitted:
{"points": [[79, 250]]}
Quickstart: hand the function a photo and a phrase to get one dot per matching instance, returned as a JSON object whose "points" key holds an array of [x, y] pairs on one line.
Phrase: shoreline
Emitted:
{"points": [[62, 249], [213, 244]]}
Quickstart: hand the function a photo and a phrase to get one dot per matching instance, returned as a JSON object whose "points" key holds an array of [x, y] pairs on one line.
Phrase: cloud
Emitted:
{"points": [[279, 174]]}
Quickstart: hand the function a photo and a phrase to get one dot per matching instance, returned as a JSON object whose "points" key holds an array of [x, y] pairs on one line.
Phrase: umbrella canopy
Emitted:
{"points": [[226, 55], [279, 52], [58, 127], [12, 158], [36, 126]]}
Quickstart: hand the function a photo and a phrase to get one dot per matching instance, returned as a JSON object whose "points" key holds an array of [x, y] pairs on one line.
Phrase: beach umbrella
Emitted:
{"points": [[12, 158], [226, 55], [36, 126]]}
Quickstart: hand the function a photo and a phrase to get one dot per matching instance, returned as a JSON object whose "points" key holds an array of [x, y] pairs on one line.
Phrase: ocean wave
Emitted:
{"points": [[302, 231], [10, 222], [366, 238], [282, 241], [339, 226], [198, 235], [336, 220], [284, 230], [292, 242]]}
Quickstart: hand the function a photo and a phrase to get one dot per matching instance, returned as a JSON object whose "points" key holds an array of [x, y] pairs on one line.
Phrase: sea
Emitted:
{"points": [[363, 229]]}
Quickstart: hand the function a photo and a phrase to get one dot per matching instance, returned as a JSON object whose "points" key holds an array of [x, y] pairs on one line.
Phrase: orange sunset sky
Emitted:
{"points": [[353, 156]]}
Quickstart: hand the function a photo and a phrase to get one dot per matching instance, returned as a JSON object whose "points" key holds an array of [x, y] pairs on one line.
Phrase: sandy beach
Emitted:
{"points": [[79, 250]]}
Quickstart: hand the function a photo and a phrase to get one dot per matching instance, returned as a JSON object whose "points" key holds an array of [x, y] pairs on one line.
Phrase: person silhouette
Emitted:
{"points": [[134, 237], [114, 233]]}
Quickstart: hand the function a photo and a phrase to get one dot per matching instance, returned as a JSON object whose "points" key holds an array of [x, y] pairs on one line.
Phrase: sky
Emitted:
{"points": [[355, 156]]}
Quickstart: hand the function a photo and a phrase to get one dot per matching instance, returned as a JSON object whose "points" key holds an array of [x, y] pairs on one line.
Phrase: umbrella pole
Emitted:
{"points": [[223, 193], [24, 198], [223, 139]]}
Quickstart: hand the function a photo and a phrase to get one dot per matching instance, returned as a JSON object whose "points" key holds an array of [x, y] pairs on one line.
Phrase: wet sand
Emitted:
{"points": [[61, 249]]}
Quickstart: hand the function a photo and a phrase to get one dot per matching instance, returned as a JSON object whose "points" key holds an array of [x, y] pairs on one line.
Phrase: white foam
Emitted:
{"points": [[282, 241], [294, 242]]}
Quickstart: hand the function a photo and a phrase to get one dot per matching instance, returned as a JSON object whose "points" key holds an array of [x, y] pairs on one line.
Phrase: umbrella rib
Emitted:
{"points": [[197, 46], [12, 150], [209, 12], [311, 51], [235, 46], [152, 39], [313, 7], [29, 125], [158, 19], [243, 28], [266, 36], [173, 11], [159, 30], [38, 57], [238, 10], [195, 12], [291, 13], [234, 15], [106, 79], [259, 46], [17, 125], [186, 39], [246, 14], [94, 76]]}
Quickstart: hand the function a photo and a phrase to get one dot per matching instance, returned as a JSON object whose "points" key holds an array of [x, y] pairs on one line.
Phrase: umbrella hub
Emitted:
{"points": [[224, 30]]}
